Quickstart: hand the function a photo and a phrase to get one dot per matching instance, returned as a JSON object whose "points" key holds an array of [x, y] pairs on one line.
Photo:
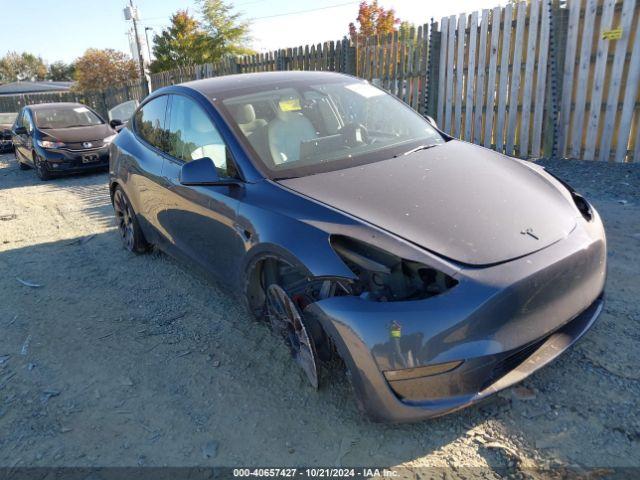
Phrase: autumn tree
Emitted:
{"points": [[99, 70], [184, 42], [61, 72], [229, 34], [21, 66], [373, 19]]}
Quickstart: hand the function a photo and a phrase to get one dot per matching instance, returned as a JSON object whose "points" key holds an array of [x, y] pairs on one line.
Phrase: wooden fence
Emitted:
{"points": [[531, 79], [99, 101], [329, 56]]}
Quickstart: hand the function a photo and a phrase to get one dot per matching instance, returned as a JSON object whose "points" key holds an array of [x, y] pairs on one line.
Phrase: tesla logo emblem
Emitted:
{"points": [[529, 231], [87, 144]]}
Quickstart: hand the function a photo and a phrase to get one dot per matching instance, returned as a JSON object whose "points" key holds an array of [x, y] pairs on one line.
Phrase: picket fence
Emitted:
{"points": [[530, 79]]}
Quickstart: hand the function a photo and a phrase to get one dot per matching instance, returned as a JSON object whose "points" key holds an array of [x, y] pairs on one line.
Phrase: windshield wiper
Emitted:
{"points": [[417, 149]]}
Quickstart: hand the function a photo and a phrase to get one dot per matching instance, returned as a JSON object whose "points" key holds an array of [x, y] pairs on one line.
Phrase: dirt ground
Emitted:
{"points": [[124, 360]]}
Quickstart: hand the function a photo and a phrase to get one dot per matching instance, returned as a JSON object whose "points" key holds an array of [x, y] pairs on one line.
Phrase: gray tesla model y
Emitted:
{"points": [[438, 271]]}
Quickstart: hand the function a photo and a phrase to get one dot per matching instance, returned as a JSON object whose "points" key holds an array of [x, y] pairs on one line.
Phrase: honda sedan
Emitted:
{"points": [[56, 138]]}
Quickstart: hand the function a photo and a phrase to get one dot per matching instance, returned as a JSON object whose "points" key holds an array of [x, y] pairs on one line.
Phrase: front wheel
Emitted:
{"points": [[41, 169], [128, 227]]}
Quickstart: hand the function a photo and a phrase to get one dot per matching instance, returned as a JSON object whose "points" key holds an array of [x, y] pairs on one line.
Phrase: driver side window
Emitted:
{"points": [[192, 135]]}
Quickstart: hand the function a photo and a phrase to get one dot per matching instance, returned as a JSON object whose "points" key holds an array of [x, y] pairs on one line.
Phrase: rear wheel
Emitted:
{"points": [[22, 166], [128, 227], [41, 169]]}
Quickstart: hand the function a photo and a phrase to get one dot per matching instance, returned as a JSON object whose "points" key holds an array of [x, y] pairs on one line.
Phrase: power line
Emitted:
{"points": [[306, 11], [285, 14]]}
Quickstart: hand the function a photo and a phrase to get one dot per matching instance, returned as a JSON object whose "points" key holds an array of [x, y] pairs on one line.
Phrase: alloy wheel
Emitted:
{"points": [[124, 218], [286, 319]]}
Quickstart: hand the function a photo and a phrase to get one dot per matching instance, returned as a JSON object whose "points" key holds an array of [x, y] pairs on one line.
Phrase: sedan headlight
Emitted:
{"points": [[384, 277], [51, 144], [110, 139]]}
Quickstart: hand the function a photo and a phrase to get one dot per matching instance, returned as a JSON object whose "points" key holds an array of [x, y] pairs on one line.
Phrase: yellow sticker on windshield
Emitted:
{"points": [[291, 105]]}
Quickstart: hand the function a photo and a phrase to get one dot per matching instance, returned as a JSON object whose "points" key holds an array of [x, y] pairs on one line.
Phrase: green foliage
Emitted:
{"points": [[61, 72], [182, 44], [21, 66], [228, 33]]}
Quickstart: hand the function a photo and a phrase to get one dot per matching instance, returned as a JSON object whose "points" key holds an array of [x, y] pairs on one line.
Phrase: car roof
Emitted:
{"points": [[41, 106], [218, 86]]}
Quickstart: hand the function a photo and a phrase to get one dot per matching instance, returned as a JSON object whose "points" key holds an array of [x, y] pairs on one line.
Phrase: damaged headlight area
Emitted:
{"points": [[581, 203], [384, 277]]}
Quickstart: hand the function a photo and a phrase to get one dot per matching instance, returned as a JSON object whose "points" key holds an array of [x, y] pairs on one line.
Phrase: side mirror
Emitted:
{"points": [[431, 121], [20, 131], [115, 123], [199, 172], [203, 172]]}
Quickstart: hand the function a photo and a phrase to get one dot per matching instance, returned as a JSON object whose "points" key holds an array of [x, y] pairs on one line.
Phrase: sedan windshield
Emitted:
{"points": [[66, 117], [301, 129]]}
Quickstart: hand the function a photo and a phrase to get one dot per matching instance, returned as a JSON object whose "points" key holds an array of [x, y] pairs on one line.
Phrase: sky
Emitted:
{"points": [[64, 29]]}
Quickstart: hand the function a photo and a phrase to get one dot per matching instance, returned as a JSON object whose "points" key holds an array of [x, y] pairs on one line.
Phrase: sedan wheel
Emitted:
{"points": [[286, 319], [41, 169], [130, 233]]}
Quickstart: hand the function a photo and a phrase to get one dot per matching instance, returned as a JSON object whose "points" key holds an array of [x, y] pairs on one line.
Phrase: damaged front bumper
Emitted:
{"points": [[497, 326]]}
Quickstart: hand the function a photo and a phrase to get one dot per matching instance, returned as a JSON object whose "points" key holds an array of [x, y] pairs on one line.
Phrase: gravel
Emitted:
{"points": [[125, 360]]}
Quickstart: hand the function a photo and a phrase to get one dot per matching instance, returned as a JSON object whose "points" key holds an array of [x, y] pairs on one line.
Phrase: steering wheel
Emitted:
{"points": [[355, 134]]}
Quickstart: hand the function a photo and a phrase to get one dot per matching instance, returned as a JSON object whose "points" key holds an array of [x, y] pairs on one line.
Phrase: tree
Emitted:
{"points": [[61, 72], [98, 70], [228, 33], [21, 66], [373, 19], [181, 44]]}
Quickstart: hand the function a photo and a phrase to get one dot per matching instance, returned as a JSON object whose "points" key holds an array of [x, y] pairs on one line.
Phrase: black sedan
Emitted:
{"points": [[6, 121], [56, 138], [438, 271]]}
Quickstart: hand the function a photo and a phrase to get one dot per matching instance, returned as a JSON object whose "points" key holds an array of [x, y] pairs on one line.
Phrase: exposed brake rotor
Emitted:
{"points": [[286, 319]]}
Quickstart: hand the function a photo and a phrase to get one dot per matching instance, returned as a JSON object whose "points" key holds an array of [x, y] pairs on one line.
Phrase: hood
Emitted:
{"points": [[466, 203], [79, 134]]}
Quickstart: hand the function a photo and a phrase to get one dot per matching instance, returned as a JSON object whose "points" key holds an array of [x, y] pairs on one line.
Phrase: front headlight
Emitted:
{"points": [[384, 277], [51, 144], [110, 139]]}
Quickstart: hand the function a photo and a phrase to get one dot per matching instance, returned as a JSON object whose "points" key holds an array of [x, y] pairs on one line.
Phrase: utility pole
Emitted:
{"points": [[135, 30], [130, 13], [146, 34]]}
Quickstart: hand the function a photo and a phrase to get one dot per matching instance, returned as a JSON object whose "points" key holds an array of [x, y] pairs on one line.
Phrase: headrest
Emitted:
{"points": [[244, 114]]}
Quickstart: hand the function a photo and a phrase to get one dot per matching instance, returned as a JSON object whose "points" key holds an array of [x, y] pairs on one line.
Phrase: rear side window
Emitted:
{"points": [[149, 122]]}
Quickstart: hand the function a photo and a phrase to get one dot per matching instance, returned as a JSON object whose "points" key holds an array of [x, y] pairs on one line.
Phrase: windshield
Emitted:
{"points": [[65, 117], [301, 129]]}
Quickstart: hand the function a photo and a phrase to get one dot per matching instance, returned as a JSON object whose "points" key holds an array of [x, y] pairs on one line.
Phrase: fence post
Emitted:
{"points": [[349, 57], [555, 69], [433, 71], [280, 59]]}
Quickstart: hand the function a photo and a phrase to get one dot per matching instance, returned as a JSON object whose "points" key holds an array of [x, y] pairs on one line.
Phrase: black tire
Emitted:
{"points": [[41, 170], [23, 166], [130, 232]]}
